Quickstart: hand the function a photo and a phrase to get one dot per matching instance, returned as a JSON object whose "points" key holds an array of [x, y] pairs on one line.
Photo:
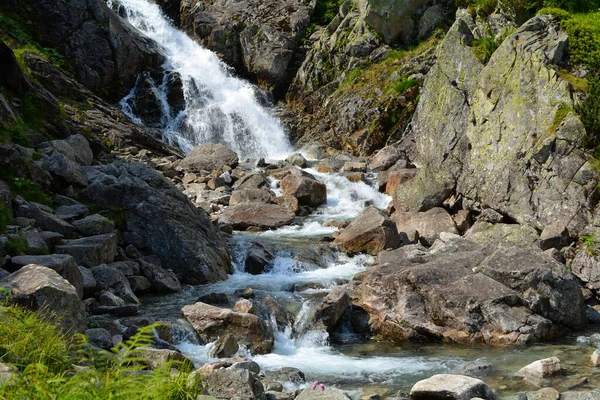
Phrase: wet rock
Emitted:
{"points": [[446, 386], [385, 158], [44, 290], [262, 195], [275, 310], [309, 192], [371, 232], [298, 160], [333, 307], [91, 251], [215, 299], [94, 225], [264, 216], [329, 393], [65, 265], [546, 368], [100, 338], [108, 278], [234, 383], [259, 258], [244, 306], [209, 157], [465, 292], [119, 311], [162, 280], [428, 225], [211, 322], [152, 207], [580, 396], [139, 284], [595, 358], [225, 347], [544, 394]]}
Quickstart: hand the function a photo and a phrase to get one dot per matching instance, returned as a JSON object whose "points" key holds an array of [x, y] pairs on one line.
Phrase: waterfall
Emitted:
{"points": [[219, 108]]}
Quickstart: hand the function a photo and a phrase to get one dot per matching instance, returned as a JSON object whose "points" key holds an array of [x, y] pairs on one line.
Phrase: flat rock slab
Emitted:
{"points": [[91, 251], [264, 216], [454, 387]]}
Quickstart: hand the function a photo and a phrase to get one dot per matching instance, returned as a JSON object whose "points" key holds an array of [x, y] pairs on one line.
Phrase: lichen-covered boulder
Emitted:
{"points": [[44, 290]]}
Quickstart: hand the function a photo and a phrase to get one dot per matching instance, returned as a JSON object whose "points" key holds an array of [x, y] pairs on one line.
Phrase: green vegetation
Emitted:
{"points": [[404, 83], [325, 11], [5, 216], [584, 39], [16, 245], [29, 190], [560, 115], [589, 112], [53, 366], [486, 7], [487, 45]]}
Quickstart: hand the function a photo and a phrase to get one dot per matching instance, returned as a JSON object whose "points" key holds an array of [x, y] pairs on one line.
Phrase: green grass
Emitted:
{"points": [[16, 246], [46, 360], [5, 216], [29, 190], [403, 84], [584, 39]]}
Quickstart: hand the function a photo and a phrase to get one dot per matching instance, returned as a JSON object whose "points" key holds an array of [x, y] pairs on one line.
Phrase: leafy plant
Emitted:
{"points": [[5, 216], [589, 113], [46, 359], [325, 11], [30, 191], [16, 245]]}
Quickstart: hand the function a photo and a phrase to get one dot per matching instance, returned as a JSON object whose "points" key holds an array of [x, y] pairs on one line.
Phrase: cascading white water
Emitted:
{"points": [[219, 108]]}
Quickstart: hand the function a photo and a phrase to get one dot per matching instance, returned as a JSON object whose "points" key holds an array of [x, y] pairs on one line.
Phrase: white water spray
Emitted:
{"points": [[219, 108]]}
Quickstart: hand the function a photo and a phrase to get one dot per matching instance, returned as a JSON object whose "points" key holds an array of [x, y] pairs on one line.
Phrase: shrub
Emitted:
{"points": [[16, 245], [325, 11], [589, 112], [557, 12], [584, 41], [30, 191]]}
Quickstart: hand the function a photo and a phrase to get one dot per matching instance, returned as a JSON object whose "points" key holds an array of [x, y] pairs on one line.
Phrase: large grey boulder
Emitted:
{"points": [[43, 289], [212, 322], [43, 219], [371, 232], [465, 292], [262, 195], [152, 207], [234, 383], [471, 136], [162, 280], [94, 224], [108, 278], [427, 225], [309, 192], [333, 307], [455, 387], [330, 393], [92, 250], [209, 157], [264, 216], [64, 264]]}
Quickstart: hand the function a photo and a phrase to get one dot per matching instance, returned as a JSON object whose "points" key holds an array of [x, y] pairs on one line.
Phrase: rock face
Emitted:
{"points": [[261, 215], [209, 157], [427, 226], [309, 192], [464, 292], [105, 51], [257, 39], [371, 232], [212, 322], [43, 289], [455, 387], [153, 208], [470, 134]]}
